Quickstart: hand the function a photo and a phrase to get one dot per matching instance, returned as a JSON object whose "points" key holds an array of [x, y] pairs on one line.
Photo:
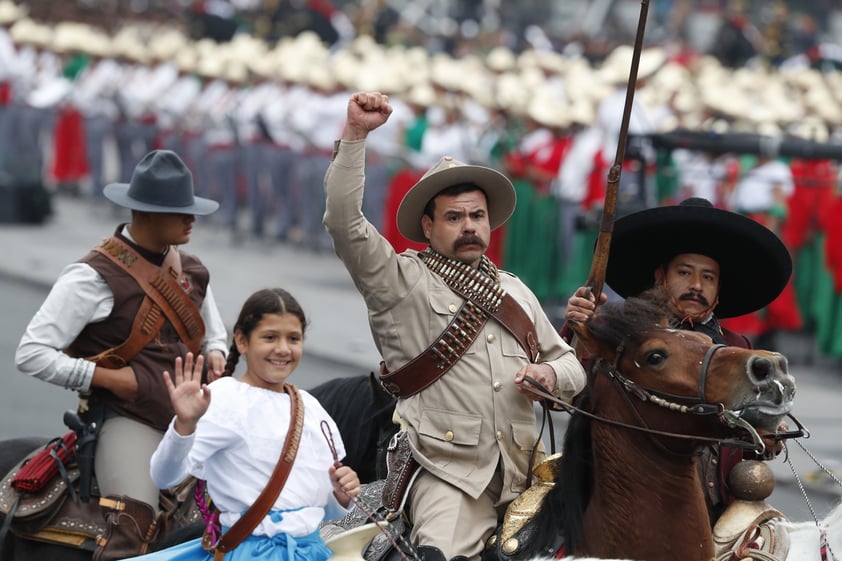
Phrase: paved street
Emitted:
{"points": [[338, 331]]}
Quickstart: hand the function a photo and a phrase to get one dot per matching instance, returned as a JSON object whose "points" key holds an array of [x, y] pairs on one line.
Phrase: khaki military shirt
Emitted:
{"points": [[472, 419]]}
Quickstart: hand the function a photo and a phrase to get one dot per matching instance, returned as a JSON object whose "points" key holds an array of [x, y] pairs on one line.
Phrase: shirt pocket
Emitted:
{"points": [[450, 437], [524, 434]]}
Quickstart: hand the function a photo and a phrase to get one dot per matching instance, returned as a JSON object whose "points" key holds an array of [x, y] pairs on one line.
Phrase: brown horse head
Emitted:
{"points": [[656, 395], [680, 370]]}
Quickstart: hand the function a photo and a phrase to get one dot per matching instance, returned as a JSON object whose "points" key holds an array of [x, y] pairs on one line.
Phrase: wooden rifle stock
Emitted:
{"points": [[596, 276]]}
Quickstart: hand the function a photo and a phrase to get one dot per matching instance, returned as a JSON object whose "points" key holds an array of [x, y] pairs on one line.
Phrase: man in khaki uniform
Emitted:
{"points": [[472, 429]]}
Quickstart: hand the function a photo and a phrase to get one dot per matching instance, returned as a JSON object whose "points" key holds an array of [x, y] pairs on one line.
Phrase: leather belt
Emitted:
{"points": [[457, 337]]}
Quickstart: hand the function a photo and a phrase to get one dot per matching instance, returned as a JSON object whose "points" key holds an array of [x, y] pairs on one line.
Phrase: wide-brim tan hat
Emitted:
{"points": [[499, 193], [9, 12], [349, 545]]}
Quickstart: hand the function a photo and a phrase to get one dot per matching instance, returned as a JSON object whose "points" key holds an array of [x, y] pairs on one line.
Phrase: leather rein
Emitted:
{"points": [[681, 404]]}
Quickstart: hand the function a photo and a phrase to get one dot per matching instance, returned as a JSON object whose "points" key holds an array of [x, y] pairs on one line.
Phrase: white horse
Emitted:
{"points": [[805, 537]]}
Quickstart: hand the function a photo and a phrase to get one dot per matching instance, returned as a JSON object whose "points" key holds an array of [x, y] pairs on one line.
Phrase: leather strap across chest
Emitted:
{"points": [[244, 525], [484, 298], [165, 299]]}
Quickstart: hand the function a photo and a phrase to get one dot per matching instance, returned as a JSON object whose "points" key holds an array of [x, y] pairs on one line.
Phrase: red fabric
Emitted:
{"points": [[833, 243], [809, 204], [597, 181], [750, 325], [5, 93], [322, 7], [43, 466], [400, 184], [541, 165], [782, 313], [70, 161]]}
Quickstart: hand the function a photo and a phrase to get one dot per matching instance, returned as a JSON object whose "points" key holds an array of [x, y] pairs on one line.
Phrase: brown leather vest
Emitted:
{"points": [[152, 405]]}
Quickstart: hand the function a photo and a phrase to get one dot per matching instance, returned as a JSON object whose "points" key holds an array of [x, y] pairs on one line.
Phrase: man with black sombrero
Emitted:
{"points": [[713, 264], [113, 322], [457, 337]]}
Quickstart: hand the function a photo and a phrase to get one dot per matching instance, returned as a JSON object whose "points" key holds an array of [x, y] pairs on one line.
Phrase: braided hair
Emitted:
{"points": [[262, 302]]}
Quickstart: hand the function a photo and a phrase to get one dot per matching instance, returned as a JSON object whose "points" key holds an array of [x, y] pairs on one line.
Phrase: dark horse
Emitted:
{"points": [[362, 411], [627, 484]]}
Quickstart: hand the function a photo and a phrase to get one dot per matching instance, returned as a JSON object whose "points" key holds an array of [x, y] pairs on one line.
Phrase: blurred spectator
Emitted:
{"points": [[738, 40]]}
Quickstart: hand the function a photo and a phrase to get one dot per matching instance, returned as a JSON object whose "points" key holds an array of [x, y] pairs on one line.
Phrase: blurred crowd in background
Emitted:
{"points": [[252, 95]]}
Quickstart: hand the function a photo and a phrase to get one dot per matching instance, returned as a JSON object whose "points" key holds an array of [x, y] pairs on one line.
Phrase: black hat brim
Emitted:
{"points": [[754, 264]]}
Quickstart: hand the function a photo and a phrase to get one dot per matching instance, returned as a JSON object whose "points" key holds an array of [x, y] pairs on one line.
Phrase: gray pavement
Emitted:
{"points": [[338, 329]]}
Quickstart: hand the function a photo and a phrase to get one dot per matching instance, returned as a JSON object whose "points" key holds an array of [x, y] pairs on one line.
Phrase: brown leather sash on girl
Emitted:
{"points": [[484, 298], [244, 526]]}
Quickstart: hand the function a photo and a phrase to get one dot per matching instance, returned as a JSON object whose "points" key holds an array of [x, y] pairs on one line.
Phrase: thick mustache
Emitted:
{"points": [[695, 297], [469, 240]]}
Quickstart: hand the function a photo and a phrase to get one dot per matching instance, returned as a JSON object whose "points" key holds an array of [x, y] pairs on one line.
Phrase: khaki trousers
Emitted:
{"points": [[123, 451], [447, 518]]}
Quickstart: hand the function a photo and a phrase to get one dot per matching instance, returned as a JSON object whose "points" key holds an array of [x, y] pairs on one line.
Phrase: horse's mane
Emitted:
{"points": [[564, 506], [630, 321]]}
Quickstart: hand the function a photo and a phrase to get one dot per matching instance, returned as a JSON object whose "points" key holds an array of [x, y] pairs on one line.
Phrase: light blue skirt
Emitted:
{"points": [[281, 547]]}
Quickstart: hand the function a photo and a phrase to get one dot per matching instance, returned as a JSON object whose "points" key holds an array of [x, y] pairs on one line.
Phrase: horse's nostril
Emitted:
{"points": [[760, 368]]}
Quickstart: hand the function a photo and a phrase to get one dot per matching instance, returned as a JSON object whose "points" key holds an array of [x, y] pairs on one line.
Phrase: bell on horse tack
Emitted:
{"points": [[749, 524]]}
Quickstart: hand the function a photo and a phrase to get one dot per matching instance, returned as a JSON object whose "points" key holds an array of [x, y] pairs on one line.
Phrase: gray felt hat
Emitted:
{"points": [[160, 183]]}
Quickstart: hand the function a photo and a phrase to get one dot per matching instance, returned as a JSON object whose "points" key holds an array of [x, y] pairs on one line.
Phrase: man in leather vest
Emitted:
{"points": [[463, 391], [113, 322], [714, 264]]}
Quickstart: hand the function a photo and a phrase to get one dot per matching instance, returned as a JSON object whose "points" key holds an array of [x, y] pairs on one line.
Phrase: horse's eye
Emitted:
{"points": [[655, 358]]}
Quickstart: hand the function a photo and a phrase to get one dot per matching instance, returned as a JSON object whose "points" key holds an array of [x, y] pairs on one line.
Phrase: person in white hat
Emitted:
{"points": [[460, 364], [113, 322]]}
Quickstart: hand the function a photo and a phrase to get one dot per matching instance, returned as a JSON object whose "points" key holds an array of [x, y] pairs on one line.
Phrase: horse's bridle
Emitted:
{"points": [[681, 404]]}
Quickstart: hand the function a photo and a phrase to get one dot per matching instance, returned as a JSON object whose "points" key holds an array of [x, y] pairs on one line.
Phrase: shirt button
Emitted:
{"points": [[714, 461], [448, 436], [498, 386], [499, 435], [711, 484], [452, 308], [491, 338]]}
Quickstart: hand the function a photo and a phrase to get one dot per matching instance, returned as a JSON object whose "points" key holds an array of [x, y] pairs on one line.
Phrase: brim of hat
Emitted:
{"points": [[347, 545], [499, 193], [119, 193], [754, 264]]}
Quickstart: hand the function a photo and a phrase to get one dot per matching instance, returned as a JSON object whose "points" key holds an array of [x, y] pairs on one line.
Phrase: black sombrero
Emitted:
{"points": [[754, 264]]}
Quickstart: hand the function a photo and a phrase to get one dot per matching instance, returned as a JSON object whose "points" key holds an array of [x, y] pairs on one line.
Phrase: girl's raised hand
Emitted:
{"points": [[189, 396]]}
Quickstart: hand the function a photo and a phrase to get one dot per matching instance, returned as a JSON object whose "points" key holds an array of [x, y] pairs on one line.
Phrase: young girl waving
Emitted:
{"points": [[231, 432]]}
